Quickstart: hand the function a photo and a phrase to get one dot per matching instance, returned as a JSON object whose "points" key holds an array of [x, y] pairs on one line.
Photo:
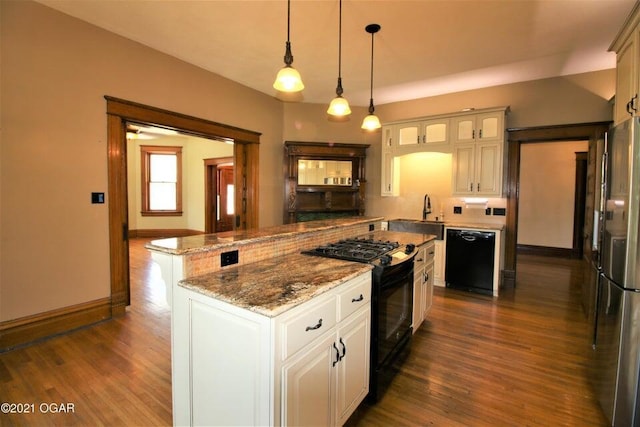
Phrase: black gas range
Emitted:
{"points": [[391, 301], [366, 249]]}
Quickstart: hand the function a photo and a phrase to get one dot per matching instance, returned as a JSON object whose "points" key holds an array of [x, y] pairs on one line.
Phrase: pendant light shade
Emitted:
{"points": [[288, 78], [339, 106], [371, 122]]}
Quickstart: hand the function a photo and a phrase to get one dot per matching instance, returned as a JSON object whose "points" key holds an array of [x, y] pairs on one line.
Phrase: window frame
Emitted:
{"points": [[145, 171]]}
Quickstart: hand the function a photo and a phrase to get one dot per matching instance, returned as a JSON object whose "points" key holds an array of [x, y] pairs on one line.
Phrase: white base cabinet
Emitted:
{"points": [[423, 283], [306, 366]]}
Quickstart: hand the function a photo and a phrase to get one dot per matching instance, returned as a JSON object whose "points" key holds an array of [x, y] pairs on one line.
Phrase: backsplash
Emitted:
{"points": [[411, 206]]}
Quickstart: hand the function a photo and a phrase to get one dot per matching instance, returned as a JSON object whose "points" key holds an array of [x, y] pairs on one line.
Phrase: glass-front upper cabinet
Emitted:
{"points": [[430, 132], [324, 172], [478, 127]]}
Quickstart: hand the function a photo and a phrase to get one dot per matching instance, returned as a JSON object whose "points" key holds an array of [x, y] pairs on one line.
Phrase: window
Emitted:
{"points": [[161, 180]]}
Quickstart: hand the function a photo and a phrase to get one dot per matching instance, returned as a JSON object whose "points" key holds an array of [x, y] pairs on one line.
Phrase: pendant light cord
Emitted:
{"points": [[340, 42], [288, 18], [371, 92]]}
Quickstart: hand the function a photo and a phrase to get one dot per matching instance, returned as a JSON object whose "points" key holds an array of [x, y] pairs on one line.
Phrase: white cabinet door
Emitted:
{"points": [[477, 169], [463, 129], [435, 132], [323, 385], [478, 127], [353, 368], [408, 134], [488, 169], [490, 127], [438, 263], [389, 173], [418, 299], [420, 136], [463, 164], [627, 79], [428, 289], [308, 385]]}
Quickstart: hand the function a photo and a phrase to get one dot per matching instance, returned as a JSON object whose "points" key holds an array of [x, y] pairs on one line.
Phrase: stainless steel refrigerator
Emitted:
{"points": [[615, 372]]}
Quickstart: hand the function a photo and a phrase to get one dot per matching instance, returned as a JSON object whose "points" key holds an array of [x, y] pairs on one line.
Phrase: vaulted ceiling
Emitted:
{"points": [[424, 48]]}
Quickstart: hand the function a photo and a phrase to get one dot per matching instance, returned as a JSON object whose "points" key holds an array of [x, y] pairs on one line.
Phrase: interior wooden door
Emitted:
{"points": [[225, 192]]}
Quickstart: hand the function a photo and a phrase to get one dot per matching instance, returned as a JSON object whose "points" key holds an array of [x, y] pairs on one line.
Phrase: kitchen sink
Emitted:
{"points": [[417, 226]]}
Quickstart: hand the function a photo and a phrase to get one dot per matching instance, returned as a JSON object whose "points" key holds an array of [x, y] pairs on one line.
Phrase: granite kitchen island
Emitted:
{"points": [[263, 341]]}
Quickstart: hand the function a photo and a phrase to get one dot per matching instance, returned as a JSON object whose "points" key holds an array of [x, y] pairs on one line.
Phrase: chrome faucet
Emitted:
{"points": [[426, 210]]}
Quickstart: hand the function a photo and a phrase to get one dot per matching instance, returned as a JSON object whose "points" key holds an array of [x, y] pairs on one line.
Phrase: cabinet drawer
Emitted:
{"points": [[354, 295], [424, 255], [309, 323]]}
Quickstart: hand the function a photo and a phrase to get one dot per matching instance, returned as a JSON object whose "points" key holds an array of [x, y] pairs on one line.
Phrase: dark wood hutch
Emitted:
{"points": [[323, 180]]}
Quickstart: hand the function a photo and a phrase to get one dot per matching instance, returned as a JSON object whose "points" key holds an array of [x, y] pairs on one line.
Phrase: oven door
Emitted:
{"points": [[395, 305]]}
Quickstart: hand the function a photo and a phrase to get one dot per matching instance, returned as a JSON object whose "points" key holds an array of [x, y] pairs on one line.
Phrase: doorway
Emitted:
{"points": [[119, 112], [549, 199], [516, 137], [219, 195]]}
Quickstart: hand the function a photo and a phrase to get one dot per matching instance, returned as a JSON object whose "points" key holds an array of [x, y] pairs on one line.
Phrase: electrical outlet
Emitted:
{"points": [[499, 211], [228, 258], [457, 209]]}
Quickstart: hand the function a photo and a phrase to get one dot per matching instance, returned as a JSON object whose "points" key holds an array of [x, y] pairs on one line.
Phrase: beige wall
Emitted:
{"points": [[56, 71], [547, 193], [194, 150]]}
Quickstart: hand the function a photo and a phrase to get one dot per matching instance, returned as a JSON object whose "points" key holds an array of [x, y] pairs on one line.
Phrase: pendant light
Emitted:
{"points": [[339, 106], [371, 122], [288, 78]]}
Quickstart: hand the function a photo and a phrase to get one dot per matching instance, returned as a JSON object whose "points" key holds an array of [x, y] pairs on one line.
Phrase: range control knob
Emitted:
{"points": [[409, 248], [385, 259]]}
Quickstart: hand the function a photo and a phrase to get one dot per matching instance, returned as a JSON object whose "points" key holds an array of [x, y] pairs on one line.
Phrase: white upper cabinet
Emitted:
{"points": [[478, 149], [478, 127], [476, 140], [423, 135], [627, 48]]}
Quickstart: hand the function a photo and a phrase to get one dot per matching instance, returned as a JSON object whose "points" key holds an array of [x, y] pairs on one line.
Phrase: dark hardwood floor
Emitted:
{"points": [[519, 360]]}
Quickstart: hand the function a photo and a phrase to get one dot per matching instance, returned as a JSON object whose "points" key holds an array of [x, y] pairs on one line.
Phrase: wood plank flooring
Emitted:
{"points": [[519, 360]]}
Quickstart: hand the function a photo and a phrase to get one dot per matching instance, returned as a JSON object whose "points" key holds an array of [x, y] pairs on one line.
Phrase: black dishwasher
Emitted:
{"points": [[470, 260]]}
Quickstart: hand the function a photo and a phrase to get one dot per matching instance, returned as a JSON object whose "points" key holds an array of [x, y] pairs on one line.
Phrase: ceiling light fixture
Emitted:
{"points": [[371, 122], [288, 78], [339, 106]]}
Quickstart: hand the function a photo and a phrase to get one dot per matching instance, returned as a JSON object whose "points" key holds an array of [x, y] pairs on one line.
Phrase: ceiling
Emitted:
{"points": [[424, 48]]}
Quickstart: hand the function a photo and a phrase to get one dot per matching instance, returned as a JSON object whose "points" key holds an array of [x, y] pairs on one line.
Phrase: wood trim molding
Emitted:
{"points": [[516, 137], [18, 332], [119, 112], [546, 251]]}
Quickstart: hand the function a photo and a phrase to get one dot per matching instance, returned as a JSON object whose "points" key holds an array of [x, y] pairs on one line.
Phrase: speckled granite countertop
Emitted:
{"points": [[402, 237], [276, 285], [206, 242], [475, 225]]}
